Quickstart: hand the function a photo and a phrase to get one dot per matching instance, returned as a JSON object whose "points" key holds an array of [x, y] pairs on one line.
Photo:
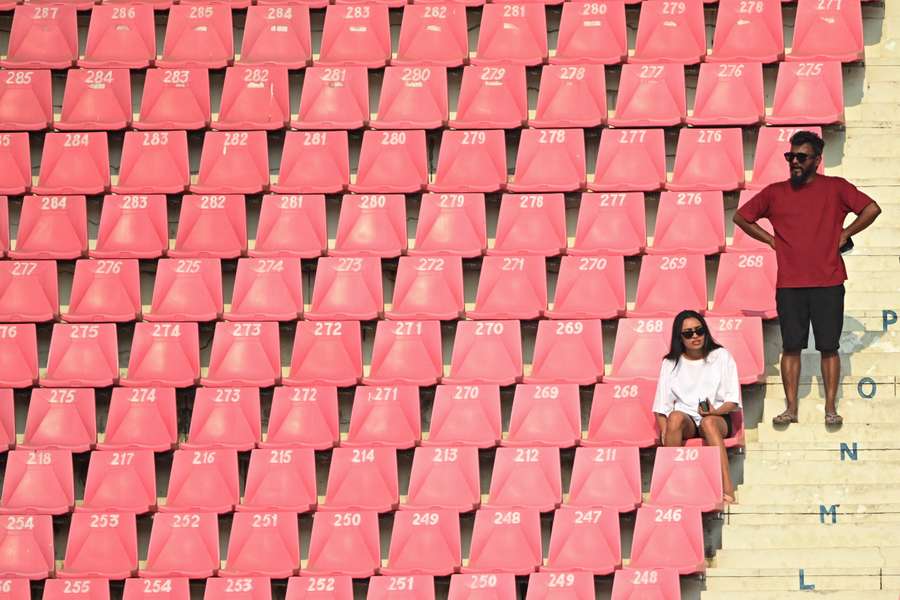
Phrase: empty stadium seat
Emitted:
{"points": [[549, 160], [202, 481], [527, 477], [412, 98], [28, 293], [471, 161], [745, 284], [333, 98], [80, 589], [96, 99], [371, 225], [568, 352], [608, 224], [233, 345], [668, 536], [708, 159], [186, 289], [621, 413], [512, 34], [311, 588], [406, 353], [176, 98], [744, 340], [263, 544], [511, 288], [607, 477], [690, 223], [266, 289], [828, 31], [15, 168], [729, 94], [650, 95], [211, 227], [408, 587], [53, 227], [530, 224], [42, 37], [362, 479], [808, 93], [198, 35], [749, 33], [254, 97], [486, 352], [154, 162], [74, 163], [347, 289], [105, 290], [505, 540], [241, 588], [576, 585], [589, 287], [132, 227], [170, 588], [584, 539], [38, 482], [424, 542], [630, 160], [4, 201], [392, 162], [591, 33], [669, 284], [7, 420], [60, 419], [344, 543], [495, 586], [769, 165], [123, 481], [233, 162], [428, 287], [660, 583], [356, 35], [640, 346], [433, 35], [175, 536], [444, 477], [303, 417], [282, 479], [465, 415], [120, 37], [326, 353], [82, 356], [101, 545], [385, 416], [141, 419], [290, 226], [164, 354], [571, 96], [545, 415], [314, 163], [225, 418], [687, 477], [452, 224], [279, 34], [27, 552], [491, 97], [670, 33], [26, 101]]}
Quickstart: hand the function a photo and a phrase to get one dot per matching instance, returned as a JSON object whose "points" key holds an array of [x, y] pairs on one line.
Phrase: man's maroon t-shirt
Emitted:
{"points": [[808, 221]]}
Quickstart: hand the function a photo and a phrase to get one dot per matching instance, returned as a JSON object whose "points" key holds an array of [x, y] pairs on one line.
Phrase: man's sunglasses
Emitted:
{"points": [[801, 157], [695, 332]]}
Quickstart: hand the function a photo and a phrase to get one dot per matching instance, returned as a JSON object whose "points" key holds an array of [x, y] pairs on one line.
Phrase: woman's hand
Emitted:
{"points": [[706, 413]]}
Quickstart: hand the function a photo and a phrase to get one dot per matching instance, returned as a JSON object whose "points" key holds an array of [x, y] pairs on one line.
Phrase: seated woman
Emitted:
{"points": [[698, 387]]}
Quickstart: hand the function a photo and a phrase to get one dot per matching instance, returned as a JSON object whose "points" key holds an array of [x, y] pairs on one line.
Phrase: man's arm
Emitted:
{"points": [[865, 218], [757, 232]]}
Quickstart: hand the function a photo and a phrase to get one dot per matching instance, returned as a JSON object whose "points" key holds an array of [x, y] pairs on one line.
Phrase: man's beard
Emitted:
{"points": [[801, 177]]}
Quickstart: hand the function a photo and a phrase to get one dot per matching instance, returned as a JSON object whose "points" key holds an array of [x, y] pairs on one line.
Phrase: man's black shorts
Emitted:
{"points": [[823, 307]]}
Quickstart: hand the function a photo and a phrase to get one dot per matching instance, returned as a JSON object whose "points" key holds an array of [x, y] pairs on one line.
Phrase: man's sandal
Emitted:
{"points": [[785, 418], [833, 419]]}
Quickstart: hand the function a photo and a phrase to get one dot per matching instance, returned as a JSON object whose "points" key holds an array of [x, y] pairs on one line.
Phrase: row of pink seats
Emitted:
{"points": [[355, 34]]}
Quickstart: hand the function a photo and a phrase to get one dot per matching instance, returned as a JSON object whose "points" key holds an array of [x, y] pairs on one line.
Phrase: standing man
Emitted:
{"points": [[807, 213]]}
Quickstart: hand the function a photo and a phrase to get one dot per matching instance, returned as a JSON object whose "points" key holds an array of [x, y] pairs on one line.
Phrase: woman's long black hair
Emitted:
{"points": [[676, 348]]}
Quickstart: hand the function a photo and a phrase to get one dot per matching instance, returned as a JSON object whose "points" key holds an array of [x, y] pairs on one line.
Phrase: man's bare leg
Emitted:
{"points": [[831, 374], [790, 379]]}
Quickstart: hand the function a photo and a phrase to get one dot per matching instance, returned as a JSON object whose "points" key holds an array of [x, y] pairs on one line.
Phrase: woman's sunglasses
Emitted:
{"points": [[695, 332]]}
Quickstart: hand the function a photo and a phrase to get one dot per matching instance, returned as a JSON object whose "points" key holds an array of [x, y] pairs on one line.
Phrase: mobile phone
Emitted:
{"points": [[704, 406], [847, 247]]}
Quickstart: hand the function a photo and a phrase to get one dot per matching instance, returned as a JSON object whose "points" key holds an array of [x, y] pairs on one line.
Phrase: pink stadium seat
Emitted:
{"points": [[356, 35], [690, 222], [51, 227], [808, 93], [38, 482], [243, 588], [121, 482], [267, 289], [233, 345], [769, 165], [729, 94], [154, 162], [392, 162], [526, 477], [669, 284], [591, 33], [433, 36], [141, 419], [610, 223], [42, 37], [96, 100], [101, 545], [749, 33], [742, 242], [486, 352], [82, 356], [424, 542], [650, 95], [589, 287], [254, 97], [105, 290], [621, 414], [225, 418], [278, 34], [4, 201], [428, 287], [687, 477], [15, 167], [211, 227], [164, 354], [26, 552], [344, 543], [175, 99], [303, 417], [406, 353], [290, 226], [568, 352], [120, 37], [505, 540], [409, 587], [571, 96], [333, 98], [745, 284], [640, 346], [708, 159], [233, 162], [512, 34], [132, 227], [451, 224], [492, 97], [198, 35], [828, 31], [371, 225], [63, 419], [486, 586], [7, 420], [326, 353], [320, 588], [385, 416], [281, 479], [203, 481], [666, 536], [186, 289], [545, 415], [511, 288], [314, 163], [471, 161], [465, 415], [576, 585], [74, 163], [263, 544], [28, 292], [157, 589], [549, 160], [654, 583], [412, 98], [531, 224], [630, 160], [26, 101], [362, 479], [743, 338], [584, 539], [444, 477], [178, 535], [76, 589], [347, 289], [670, 33], [608, 477]]}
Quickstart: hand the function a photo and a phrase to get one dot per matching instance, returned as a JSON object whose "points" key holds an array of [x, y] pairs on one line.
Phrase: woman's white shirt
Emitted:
{"points": [[684, 385]]}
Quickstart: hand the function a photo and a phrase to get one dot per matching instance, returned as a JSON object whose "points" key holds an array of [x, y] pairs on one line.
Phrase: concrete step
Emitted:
{"points": [[802, 514], [781, 558], [881, 409], [835, 493], [851, 340], [848, 433], [788, 580], [802, 595], [871, 299], [816, 451], [863, 364], [840, 535], [862, 263], [759, 470], [811, 386]]}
